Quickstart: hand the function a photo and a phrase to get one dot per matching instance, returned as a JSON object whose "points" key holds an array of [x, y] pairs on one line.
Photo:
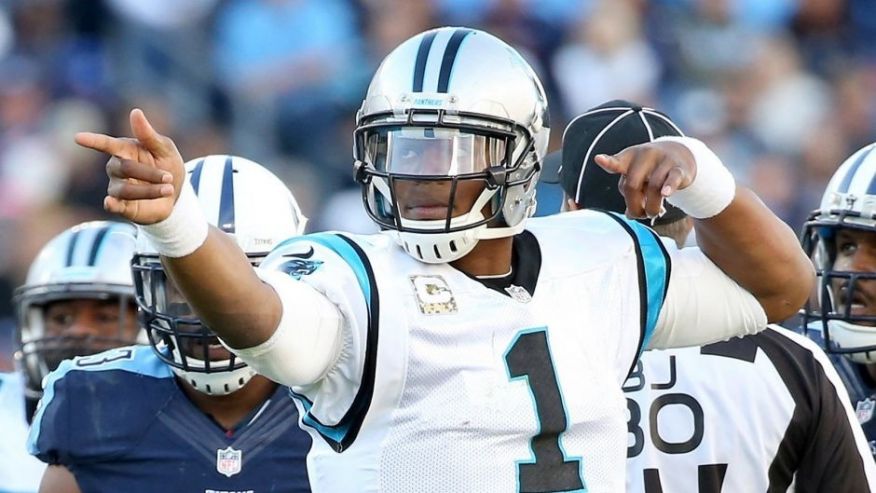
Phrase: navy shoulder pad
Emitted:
{"points": [[99, 405]]}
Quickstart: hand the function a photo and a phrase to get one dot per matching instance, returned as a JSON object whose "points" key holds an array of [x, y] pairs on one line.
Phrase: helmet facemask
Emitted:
{"points": [[846, 330], [442, 181], [254, 207], [41, 350], [179, 339]]}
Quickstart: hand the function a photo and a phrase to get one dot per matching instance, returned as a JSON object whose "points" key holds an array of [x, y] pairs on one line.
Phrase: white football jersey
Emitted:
{"points": [[444, 384], [765, 412], [19, 471]]}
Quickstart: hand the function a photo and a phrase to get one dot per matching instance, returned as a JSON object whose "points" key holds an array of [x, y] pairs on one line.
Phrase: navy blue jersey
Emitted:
{"points": [[119, 422], [861, 387]]}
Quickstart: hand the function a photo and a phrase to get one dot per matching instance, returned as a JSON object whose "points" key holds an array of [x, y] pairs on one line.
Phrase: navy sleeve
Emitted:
{"points": [[93, 407]]}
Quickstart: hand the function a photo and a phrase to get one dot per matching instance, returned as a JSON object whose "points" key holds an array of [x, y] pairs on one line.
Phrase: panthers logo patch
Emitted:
{"points": [[299, 264]]}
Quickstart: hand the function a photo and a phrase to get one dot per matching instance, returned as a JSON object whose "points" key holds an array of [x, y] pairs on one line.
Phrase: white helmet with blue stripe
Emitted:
{"points": [[450, 112], [849, 201], [91, 260], [245, 200]]}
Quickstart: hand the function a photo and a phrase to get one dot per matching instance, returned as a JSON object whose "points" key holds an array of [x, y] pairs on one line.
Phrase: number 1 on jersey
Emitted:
{"points": [[529, 358]]}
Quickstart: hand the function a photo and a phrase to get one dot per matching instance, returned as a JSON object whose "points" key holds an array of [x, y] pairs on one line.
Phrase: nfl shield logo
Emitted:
{"points": [[864, 410], [228, 461]]}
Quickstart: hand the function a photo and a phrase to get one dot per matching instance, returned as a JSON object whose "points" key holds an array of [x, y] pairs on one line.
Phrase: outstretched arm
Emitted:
{"points": [[146, 179], [743, 237]]}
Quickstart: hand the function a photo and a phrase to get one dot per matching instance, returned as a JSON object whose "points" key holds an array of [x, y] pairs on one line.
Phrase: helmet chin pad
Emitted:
{"points": [[438, 248], [846, 338], [442, 248], [215, 383]]}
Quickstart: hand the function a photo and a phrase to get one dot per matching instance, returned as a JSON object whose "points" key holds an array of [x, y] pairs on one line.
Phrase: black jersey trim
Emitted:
{"points": [[525, 264], [650, 301]]}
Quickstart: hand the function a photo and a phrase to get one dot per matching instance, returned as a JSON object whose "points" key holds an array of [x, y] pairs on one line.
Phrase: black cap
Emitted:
{"points": [[606, 129]]}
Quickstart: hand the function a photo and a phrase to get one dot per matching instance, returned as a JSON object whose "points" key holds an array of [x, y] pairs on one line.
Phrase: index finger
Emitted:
{"points": [[618, 163], [115, 146]]}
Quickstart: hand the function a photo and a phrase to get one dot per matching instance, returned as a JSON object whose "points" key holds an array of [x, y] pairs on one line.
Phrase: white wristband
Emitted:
{"points": [[713, 187], [184, 230]]}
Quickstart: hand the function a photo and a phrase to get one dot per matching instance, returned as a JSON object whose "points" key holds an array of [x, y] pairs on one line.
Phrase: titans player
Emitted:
{"points": [[183, 414], [840, 237], [77, 299]]}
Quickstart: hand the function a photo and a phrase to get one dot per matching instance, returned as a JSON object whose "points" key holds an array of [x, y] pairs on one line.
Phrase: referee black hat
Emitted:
{"points": [[606, 129]]}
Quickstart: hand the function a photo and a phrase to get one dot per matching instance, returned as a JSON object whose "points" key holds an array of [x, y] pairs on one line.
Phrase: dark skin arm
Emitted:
{"points": [[146, 174], [746, 240]]}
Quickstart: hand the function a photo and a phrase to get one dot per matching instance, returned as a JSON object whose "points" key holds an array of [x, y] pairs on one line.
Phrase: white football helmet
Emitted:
{"points": [[449, 109], [251, 204], [91, 260], [849, 201]]}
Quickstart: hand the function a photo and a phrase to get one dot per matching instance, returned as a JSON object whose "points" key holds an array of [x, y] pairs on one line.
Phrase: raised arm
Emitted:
{"points": [[146, 179], [735, 229]]}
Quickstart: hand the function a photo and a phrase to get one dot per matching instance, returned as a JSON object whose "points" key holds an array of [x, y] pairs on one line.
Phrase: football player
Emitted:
{"points": [[464, 348], [185, 414], [77, 299], [756, 413], [840, 237]]}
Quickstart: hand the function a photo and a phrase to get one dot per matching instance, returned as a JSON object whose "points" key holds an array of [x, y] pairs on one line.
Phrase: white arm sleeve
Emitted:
{"points": [[703, 304], [308, 340]]}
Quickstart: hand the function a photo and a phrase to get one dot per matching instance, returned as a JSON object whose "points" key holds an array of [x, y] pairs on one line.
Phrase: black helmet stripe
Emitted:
{"points": [[196, 176], [71, 248], [226, 200], [95, 245], [449, 58], [422, 57]]}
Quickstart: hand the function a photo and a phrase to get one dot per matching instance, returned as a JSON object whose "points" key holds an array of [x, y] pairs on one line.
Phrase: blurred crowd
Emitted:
{"points": [[781, 89]]}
